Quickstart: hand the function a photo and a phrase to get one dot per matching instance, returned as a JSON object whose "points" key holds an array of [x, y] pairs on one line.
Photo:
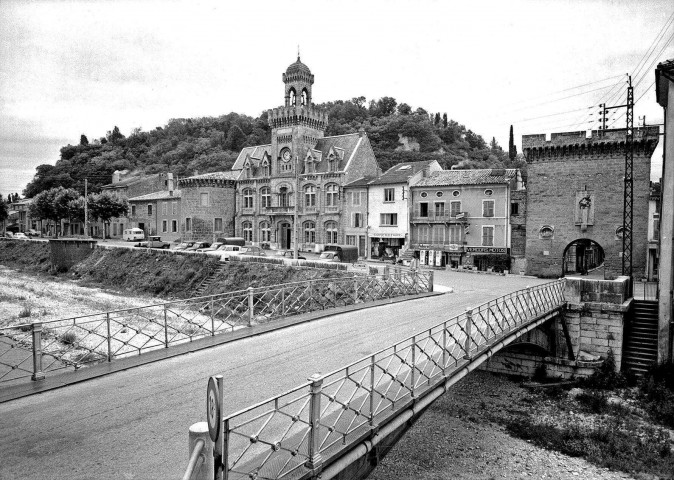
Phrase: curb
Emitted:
{"points": [[102, 369]]}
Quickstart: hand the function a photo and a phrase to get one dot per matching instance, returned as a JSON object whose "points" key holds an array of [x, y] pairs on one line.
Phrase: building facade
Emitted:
{"points": [[208, 206], [575, 191], [462, 218], [354, 217], [301, 173], [157, 213]]}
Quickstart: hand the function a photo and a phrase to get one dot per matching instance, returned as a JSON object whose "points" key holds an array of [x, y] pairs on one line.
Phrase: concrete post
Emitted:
{"points": [[109, 339], [38, 374], [204, 466], [315, 461], [251, 313], [468, 329]]}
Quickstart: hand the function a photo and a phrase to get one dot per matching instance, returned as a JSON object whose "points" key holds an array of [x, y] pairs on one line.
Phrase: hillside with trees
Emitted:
{"points": [[200, 145]]}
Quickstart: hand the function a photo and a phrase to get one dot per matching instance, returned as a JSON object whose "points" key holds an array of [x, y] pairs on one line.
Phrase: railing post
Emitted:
{"points": [[355, 290], [444, 347], [414, 279], [372, 379], [38, 374], [251, 313], [468, 329], [212, 317], [203, 470], [225, 450], [430, 280], [387, 271], [414, 362], [315, 461], [107, 321], [166, 339], [283, 301]]}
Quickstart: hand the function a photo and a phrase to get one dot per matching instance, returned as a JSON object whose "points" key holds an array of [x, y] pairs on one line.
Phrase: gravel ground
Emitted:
{"points": [[455, 440]]}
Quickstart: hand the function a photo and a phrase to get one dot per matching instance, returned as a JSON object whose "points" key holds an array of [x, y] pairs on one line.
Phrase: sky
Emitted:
{"points": [[81, 67]]}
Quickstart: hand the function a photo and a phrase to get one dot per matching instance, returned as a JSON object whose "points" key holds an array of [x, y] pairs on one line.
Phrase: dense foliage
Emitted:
{"points": [[208, 144]]}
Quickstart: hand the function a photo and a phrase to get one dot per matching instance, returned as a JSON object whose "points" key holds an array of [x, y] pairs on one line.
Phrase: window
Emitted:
{"points": [[265, 169], [175, 208], [350, 239], [149, 210], [454, 208], [164, 208], [265, 196], [309, 232], [332, 164], [188, 224], [248, 198], [331, 195], [217, 224], [310, 196], [438, 194], [247, 228], [423, 209], [424, 234], [309, 167], [114, 229], [456, 193], [357, 220], [487, 236], [439, 234], [439, 209], [356, 199], [330, 232], [164, 226], [489, 192], [204, 199], [487, 208], [514, 208], [283, 197], [424, 194], [388, 219], [174, 226], [265, 232], [389, 194], [133, 210], [455, 234]]}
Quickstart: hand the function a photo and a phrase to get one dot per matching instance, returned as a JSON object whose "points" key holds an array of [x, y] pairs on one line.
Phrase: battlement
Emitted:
{"points": [[307, 115], [590, 143]]}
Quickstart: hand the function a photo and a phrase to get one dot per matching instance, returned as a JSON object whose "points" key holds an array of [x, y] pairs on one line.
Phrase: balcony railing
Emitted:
{"points": [[280, 209], [433, 216]]}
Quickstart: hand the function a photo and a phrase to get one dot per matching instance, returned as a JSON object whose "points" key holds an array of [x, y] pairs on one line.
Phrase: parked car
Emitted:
{"points": [[329, 257], [154, 242], [198, 245], [133, 234], [9, 235], [33, 233], [228, 251], [345, 253], [213, 247], [289, 254], [184, 246], [20, 236], [253, 251]]}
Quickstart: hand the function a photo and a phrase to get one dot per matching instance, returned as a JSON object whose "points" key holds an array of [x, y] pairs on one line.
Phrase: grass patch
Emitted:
{"points": [[68, 338], [25, 313], [657, 393]]}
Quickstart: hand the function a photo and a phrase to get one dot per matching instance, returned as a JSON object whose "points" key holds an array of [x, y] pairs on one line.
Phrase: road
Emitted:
{"points": [[133, 424]]}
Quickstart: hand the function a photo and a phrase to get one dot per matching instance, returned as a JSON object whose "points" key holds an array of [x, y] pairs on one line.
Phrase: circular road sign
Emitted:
{"points": [[213, 409]]}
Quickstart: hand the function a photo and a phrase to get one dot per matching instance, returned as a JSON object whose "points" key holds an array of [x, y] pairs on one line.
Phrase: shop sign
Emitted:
{"points": [[487, 249], [386, 235], [453, 247]]}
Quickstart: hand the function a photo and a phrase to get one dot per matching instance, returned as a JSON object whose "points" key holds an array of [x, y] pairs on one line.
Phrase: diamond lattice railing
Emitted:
{"points": [[358, 399]]}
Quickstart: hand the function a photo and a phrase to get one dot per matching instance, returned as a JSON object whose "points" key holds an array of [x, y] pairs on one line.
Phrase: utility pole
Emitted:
{"points": [[297, 206], [602, 112], [86, 211]]}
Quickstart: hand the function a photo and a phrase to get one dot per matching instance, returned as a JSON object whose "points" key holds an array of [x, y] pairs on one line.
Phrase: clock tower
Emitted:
{"points": [[296, 126]]}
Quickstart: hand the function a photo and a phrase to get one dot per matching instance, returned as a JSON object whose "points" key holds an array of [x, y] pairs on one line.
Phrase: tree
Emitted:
{"points": [[444, 120], [493, 145], [436, 121], [84, 141], [114, 136], [512, 149], [106, 206], [4, 210], [404, 109]]}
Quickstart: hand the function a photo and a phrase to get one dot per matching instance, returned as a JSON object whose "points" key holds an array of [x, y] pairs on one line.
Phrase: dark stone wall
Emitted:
{"points": [[67, 252]]}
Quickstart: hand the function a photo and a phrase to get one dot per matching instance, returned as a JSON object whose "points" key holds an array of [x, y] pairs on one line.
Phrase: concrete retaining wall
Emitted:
{"points": [[66, 252]]}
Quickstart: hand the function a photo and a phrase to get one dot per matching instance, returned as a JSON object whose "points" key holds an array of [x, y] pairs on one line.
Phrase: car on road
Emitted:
{"points": [[184, 246], [228, 251], [213, 247], [20, 236], [197, 246], [154, 242], [253, 251], [33, 233], [9, 235], [289, 254], [329, 257]]}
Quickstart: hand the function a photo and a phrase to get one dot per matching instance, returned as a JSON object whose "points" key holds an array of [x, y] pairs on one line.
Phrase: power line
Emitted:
{"points": [[656, 58], [652, 47], [552, 114]]}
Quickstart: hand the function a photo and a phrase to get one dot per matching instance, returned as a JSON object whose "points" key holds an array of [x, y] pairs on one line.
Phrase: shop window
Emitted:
{"points": [[389, 194], [487, 236], [454, 208], [423, 209], [487, 208], [388, 219], [217, 224], [247, 231]]}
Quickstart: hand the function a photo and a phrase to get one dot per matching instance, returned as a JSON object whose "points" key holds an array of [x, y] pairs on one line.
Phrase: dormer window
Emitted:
{"points": [[332, 163], [265, 168]]}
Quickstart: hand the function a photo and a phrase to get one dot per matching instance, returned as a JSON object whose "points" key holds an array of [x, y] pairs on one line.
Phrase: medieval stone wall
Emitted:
{"points": [[221, 205]]}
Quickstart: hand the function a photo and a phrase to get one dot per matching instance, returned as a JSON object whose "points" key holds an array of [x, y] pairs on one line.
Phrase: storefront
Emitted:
{"points": [[495, 259], [440, 255], [386, 245]]}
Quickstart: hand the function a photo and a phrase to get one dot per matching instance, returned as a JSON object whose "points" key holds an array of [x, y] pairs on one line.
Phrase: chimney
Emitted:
{"points": [[169, 177]]}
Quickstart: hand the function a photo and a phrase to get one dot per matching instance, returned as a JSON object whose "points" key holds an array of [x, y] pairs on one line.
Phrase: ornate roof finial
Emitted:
{"points": [[298, 52]]}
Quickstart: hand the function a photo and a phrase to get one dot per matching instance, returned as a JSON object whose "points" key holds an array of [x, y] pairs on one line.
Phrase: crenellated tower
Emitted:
{"points": [[298, 125]]}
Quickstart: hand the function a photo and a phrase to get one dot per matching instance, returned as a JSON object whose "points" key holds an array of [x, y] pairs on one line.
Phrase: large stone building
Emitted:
{"points": [[300, 169], [156, 213], [575, 191], [208, 205]]}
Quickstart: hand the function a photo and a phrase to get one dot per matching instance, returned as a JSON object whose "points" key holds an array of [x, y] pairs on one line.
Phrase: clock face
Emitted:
{"points": [[286, 155]]}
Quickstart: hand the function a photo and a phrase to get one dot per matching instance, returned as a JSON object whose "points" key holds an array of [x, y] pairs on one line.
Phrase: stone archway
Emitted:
{"points": [[582, 256]]}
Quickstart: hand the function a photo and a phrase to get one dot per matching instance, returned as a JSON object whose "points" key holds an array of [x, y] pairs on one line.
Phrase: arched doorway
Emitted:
{"points": [[582, 256]]}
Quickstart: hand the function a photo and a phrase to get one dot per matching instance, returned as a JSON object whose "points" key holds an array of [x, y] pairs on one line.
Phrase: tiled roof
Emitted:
{"points": [[401, 173], [163, 195], [214, 176], [468, 177], [256, 153], [361, 182]]}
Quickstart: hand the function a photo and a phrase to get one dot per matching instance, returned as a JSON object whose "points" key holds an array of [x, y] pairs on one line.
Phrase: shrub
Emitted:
{"points": [[657, 391], [68, 338], [606, 377], [25, 313]]}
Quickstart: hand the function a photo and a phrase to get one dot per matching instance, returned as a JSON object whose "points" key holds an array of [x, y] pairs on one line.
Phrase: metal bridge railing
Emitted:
{"points": [[298, 432], [34, 350]]}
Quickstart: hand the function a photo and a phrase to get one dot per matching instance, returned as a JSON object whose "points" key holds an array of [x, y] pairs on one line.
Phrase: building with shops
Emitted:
{"points": [[575, 186], [301, 173], [388, 204], [462, 218], [208, 206], [157, 213]]}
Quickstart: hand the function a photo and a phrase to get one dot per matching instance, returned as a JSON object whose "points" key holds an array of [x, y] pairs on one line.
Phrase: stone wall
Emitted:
{"points": [[221, 204], [67, 252]]}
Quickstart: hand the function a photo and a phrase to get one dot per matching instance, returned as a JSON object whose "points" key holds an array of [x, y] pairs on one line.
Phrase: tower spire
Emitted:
{"points": [[298, 52]]}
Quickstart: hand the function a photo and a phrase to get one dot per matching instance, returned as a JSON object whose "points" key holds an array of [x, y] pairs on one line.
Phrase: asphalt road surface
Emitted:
{"points": [[133, 424]]}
